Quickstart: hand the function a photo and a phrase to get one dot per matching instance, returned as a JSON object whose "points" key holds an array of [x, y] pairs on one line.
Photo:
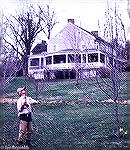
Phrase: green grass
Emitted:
{"points": [[66, 89], [74, 127], [84, 126]]}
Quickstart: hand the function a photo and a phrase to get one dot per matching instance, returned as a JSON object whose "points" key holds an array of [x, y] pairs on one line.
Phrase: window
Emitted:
{"points": [[34, 62], [70, 58], [78, 34], [74, 58], [102, 58], [59, 59], [48, 60], [93, 57], [84, 58], [83, 47], [78, 58]]}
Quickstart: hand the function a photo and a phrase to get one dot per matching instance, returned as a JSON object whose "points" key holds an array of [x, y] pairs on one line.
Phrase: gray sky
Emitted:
{"points": [[85, 12]]}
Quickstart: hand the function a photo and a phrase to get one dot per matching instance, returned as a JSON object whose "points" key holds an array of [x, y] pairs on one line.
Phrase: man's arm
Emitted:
{"points": [[33, 101], [37, 102]]}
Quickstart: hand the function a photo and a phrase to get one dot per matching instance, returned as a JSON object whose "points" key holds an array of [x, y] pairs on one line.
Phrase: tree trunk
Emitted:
{"points": [[25, 64]]}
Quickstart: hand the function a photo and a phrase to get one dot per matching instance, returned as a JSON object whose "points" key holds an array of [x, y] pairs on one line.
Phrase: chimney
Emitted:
{"points": [[71, 20], [95, 33]]}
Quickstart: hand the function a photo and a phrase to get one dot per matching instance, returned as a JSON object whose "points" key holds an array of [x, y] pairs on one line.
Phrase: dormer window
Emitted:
{"points": [[96, 43], [78, 34], [83, 46]]}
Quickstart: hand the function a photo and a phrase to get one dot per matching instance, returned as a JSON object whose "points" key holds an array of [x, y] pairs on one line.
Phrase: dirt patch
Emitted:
{"points": [[7, 100], [11, 100]]}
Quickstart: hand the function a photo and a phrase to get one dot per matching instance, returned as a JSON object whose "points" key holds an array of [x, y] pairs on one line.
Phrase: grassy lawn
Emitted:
{"points": [[84, 126], [65, 89], [74, 127]]}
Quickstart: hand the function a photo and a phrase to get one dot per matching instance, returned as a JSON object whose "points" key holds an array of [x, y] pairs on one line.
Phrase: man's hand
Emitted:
{"points": [[21, 108], [25, 104]]}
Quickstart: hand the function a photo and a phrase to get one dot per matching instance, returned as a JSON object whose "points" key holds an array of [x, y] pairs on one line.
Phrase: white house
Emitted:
{"points": [[72, 48]]}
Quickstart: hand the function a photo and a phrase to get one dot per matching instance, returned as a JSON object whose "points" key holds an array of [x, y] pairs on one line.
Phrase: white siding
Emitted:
{"points": [[71, 37]]}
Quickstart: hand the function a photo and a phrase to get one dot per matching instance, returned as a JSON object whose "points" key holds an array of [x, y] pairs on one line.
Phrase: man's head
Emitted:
{"points": [[21, 91]]}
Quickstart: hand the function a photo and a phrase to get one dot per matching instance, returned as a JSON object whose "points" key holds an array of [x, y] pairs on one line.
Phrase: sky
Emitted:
{"points": [[86, 13]]}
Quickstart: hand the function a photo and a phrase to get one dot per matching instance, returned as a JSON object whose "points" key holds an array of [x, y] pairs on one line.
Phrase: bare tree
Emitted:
{"points": [[128, 8], [72, 40], [79, 42], [127, 48], [23, 28], [75, 38], [1, 37], [48, 16], [128, 42], [114, 33]]}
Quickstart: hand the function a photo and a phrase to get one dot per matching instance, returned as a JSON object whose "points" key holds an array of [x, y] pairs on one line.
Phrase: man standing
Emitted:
{"points": [[24, 113]]}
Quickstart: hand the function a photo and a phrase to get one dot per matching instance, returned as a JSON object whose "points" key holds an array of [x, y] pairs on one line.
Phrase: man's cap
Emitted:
{"points": [[20, 89]]}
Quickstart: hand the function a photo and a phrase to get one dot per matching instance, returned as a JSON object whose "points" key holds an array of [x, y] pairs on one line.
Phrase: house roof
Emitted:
{"points": [[39, 48], [72, 51], [99, 39]]}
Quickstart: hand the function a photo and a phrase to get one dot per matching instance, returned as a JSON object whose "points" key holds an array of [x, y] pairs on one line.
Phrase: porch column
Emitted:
{"points": [[66, 58], [98, 56], [86, 57], [81, 57], [52, 59], [44, 61], [39, 62], [29, 62]]}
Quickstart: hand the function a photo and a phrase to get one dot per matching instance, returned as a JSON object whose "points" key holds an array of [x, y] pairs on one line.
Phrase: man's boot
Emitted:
{"points": [[28, 143], [20, 143]]}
